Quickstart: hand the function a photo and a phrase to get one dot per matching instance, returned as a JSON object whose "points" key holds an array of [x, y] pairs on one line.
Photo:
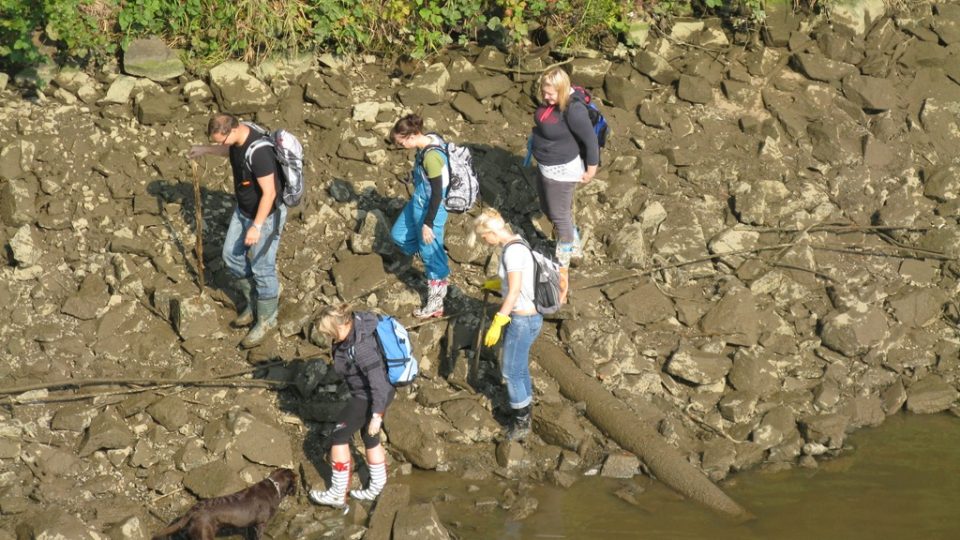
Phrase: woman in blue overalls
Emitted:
{"points": [[419, 229]]}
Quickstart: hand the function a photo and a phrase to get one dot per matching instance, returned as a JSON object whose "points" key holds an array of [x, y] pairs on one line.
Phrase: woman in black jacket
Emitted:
{"points": [[567, 153], [356, 358]]}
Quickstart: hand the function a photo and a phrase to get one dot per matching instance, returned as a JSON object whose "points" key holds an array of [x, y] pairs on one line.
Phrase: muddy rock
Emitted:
{"points": [[826, 429], [427, 88], [754, 371], [943, 184], [620, 465], [373, 235], [89, 300], [236, 90], [854, 332], [694, 90], [629, 248], [358, 275], [484, 87], [131, 528], [778, 425], [195, 317], [393, 500], [930, 395], [697, 366], [734, 317], [106, 431], [738, 406], [645, 305], [17, 202], [471, 109], [656, 67], [870, 93], [120, 91], [857, 16], [595, 342], [262, 443], [419, 522], [917, 307], [215, 479], [56, 524], [151, 58], [719, 457], [24, 247], [821, 68], [170, 412], [589, 72], [893, 397], [558, 424], [864, 411], [415, 437], [156, 108], [471, 419]]}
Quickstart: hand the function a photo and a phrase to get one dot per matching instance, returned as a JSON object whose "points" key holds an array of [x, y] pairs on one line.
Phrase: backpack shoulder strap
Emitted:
{"points": [[254, 146]]}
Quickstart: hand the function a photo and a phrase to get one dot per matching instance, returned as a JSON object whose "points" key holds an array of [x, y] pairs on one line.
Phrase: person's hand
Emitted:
{"points": [[589, 174], [375, 423], [493, 284], [196, 151], [427, 233], [253, 236], [496, 327]]}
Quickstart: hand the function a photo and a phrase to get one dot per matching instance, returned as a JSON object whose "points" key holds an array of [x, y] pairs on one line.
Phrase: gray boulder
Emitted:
{"points": [[734, 317], [17, 199], [106, 431], [55, 523], [821, 68], [738, 406], [753, 371], [589, 72], [214, 479], [695, 89], [870, 93], [24, 247], [629, 248], [151, 58], [484, 87], [558, 424], [777, 426], [156, 108], [471, 419], [262, 443], [655, 67], [416, 437], [943, 184], [358, 275], [427, 88], [826, 429], [853, 332]]}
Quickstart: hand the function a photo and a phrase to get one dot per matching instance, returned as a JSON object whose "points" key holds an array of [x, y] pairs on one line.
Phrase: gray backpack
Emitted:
{"points": [[546, 282], [289, 153], [464, 186]]}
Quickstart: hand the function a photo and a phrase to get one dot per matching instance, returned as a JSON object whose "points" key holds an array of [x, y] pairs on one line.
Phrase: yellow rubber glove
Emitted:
{"points": [[493, 334], [492, 284]]}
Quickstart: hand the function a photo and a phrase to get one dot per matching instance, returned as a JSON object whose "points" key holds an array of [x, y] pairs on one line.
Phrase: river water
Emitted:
{"points": [[900, 480]]}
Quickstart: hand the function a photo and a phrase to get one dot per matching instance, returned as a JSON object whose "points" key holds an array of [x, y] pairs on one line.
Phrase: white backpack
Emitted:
{"points": [[464, 188], [289, 153]]}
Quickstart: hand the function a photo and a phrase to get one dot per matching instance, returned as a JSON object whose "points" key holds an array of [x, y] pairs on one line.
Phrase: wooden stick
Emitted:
{"points": [[475, 362], [79, 383], [198, 215]]}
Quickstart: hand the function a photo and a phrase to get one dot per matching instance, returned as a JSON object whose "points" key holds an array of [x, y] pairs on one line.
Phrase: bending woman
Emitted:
{"points": [[357, 359], [568, 153], [419, 229], [517, 312]]}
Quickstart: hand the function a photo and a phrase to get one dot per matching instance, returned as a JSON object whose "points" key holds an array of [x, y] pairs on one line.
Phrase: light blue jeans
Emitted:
{"points": [[407, 236], [521, 332], [260, 260]]}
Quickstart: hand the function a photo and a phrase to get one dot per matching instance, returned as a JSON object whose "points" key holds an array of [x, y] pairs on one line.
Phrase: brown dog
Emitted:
{"points": [[248, 508]]}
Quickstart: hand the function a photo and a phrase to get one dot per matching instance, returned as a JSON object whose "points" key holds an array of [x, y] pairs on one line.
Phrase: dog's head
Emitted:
{"points": [[286, 479]]}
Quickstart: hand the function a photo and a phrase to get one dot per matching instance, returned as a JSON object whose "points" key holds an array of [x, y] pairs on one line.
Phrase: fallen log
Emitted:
{"points": [[622, 425]]}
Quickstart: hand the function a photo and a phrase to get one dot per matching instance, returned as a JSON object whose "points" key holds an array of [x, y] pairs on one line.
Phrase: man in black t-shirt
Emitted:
{"points": [[250, 246]]}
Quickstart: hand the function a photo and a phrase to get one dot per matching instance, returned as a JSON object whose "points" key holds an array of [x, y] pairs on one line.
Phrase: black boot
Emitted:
{"points": [[520, 427]]}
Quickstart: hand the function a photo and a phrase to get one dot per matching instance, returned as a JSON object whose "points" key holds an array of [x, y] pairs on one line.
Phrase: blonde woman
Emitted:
{"points": [[358, 360], [517, 313], [567, 152]]}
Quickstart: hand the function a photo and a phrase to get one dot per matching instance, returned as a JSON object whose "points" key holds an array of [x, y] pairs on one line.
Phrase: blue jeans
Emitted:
{"points": [[260, 260], [407, 236], [521, 332]]}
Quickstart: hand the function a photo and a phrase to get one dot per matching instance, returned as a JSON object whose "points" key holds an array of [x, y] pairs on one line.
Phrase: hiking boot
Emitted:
{"points": [[436, 292], [244, 317], [520, 427], [266, 321], [577, 244]]}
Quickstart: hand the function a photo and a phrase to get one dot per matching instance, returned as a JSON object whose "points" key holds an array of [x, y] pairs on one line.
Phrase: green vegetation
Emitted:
{"points": [[209, 31]]}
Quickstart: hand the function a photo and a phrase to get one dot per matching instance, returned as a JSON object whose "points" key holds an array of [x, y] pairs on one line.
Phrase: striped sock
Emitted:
{"points": [[378, 479], [339, 482]]}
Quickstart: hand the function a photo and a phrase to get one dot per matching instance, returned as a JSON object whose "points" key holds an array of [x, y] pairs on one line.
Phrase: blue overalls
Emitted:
{"points": [[406, 232]]}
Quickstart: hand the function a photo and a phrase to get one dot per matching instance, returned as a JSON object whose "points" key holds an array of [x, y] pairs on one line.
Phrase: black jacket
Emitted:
{"points": [[359, 361]]}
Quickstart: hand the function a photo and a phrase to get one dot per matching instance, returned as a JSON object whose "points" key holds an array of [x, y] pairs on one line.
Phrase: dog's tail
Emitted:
{"points": [[172, 528]]}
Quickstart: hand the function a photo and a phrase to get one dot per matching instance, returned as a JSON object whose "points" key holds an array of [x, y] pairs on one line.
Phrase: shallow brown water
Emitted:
{"points": [[901, 481]]}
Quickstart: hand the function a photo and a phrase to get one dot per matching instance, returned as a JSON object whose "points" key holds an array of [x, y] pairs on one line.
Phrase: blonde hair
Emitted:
{"points": [[488, 221], [331, 317], [560, 81]]}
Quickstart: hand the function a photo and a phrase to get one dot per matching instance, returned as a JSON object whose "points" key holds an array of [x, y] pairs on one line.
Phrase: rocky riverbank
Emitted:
{"points": [[771, 263]]}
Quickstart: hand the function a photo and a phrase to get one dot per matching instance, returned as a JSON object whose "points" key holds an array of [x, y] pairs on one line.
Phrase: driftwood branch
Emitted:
{"points": [[200, 381]]}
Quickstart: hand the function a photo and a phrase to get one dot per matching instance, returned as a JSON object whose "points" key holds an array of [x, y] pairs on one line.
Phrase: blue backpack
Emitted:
{"points": [[402, 366]]}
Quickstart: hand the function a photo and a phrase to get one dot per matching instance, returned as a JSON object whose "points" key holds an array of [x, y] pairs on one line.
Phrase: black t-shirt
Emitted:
{"points": [[245, 186]]}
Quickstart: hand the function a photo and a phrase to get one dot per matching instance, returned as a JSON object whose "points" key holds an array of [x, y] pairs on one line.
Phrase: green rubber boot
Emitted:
{"points": [[244, 318], [266, 321]]}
